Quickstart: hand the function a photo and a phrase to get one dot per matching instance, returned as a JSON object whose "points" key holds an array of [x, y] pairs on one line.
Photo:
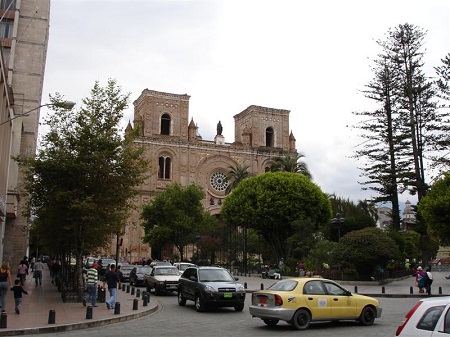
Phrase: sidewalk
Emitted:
{"points": [[35, 311]]}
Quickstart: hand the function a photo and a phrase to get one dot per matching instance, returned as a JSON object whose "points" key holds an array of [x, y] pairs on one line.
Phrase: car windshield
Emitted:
{"points": [[144, 270], [166, 271], [285, 285], [214, 275]]}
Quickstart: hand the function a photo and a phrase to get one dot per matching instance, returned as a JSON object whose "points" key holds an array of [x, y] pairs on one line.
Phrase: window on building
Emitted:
{"points": [[8, 4], [164, 167], [165, 124], [269, 137], [6, 28]]}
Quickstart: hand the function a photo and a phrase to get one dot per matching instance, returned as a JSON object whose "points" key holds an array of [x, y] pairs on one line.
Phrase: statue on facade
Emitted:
{"points": [[219, 128]]}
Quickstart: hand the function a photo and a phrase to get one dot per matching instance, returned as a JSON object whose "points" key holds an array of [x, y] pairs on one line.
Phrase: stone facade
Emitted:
{"points": [[177, 153], [25, 50]]}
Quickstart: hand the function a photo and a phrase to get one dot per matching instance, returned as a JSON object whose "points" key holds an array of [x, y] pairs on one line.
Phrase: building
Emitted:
{"points": [[409, 217], [24, 38], [384, 215], [177, 153]]}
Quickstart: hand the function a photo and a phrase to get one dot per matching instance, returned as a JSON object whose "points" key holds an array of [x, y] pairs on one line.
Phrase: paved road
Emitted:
{"points": [[173, 320]]}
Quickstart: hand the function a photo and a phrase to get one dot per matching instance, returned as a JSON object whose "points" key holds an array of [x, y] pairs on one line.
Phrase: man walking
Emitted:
{"points": [[112, 279], [91, 285]]}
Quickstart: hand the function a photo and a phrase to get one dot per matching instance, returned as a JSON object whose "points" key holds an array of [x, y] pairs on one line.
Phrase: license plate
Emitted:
{"points": [[227, 295]]}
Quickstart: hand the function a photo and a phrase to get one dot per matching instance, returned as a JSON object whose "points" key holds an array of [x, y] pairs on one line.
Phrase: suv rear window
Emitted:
{"points": [[430, 318]]}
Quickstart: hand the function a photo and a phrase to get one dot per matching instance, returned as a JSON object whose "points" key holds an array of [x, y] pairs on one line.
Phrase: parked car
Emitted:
{"points": [[89, 261], [429, 317], [124, 271], [137, 275], [300, 301], [162, 278], [181, 266], [160, 263], [210, 286]]}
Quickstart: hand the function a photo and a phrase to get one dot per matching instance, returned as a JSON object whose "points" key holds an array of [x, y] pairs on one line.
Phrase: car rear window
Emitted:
{"points": [[430, 318], [285, 285]]}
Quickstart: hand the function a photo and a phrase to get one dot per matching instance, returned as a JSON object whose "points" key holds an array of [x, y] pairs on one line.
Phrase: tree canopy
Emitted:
{"points": [[272, 202], [176, 216], [81, 182], [434, 208]]}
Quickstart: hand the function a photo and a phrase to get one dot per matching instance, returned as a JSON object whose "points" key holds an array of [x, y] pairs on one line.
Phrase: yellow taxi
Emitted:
{"points": [[300, 301]]}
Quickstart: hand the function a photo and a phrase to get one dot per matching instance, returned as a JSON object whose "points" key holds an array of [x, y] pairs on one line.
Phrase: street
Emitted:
{"points": [[173, 320]]}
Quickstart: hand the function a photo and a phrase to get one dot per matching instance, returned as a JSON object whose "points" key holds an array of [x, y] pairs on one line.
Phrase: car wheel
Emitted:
{"points": [[301, 319], [181, 299], [239, 307], [271, 322], [199, 304], [367, 316]]}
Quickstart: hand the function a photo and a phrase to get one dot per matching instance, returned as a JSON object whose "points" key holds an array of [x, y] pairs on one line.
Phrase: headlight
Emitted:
{"points": [[240, 287], [209, 289]]}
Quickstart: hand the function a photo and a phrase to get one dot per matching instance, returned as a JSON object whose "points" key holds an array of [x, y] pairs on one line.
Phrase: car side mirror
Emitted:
{"points": [[236, 278]]}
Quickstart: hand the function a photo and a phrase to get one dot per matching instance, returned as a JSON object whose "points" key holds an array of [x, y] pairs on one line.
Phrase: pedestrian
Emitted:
{"points": [[18, 291], [91, 286], [22, 272], [37, 274], [439, 265], [420, 280], [5, 283], [428, 281], [56, 267], [112, 279]]}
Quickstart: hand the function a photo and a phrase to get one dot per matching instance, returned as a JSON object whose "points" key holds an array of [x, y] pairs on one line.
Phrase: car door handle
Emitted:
{"points": [[310, 298], [336, 299]]}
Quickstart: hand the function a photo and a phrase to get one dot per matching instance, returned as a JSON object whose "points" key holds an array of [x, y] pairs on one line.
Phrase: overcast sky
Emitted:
{"points": [[309, 57]]}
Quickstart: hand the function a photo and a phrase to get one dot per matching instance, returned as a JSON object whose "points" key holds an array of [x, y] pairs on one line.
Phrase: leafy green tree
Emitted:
{"points": [[434, 208], [176, 216], [322, 253], [271, 202], [290, 163], [367, 248], [84, 176], [354, 217]]}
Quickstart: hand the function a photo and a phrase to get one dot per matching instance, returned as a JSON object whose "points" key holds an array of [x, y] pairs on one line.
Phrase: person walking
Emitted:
{"points": [[5, 283], [420, 279], [91, 286], [37, 274], [428, 281], [113, 280], [22, 272], [18, 291]]}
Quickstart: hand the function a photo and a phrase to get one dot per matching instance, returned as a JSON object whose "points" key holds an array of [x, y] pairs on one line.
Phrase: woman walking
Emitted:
{"points": [[5, 283]]}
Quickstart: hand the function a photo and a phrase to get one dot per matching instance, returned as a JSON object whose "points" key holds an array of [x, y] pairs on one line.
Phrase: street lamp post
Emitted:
{"points": [[67, 105], [337, 222]]}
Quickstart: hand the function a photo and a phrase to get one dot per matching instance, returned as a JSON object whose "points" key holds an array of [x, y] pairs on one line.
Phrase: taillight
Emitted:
{"points": [[407, 317], [278, 300]]}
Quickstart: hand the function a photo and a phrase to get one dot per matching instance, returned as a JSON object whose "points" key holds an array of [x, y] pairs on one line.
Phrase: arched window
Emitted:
{"points": [[165, 124], [269, 137], [164, 167]]}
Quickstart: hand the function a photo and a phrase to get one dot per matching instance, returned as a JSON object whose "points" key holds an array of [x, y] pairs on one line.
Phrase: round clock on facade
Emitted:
{"points": [[219, 181]]}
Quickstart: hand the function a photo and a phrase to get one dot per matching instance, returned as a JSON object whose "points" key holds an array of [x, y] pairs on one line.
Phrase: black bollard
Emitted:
{"points": [[3, 320], [123, 287], [245, 285], [411, 290], [132, 290], [89, 312], [128, 289], [382, 290], [138, 292], [262, 286], [440, 290], [135, 304], [356, 289], [51, 317], [145, 299], [117, 308]]}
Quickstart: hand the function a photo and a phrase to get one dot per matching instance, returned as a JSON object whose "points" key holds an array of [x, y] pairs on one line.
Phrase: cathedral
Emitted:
{"points": [[177, 153]]}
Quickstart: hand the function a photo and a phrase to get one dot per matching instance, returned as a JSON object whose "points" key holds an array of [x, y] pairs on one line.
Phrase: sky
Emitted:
{"points": [[312, 58]]}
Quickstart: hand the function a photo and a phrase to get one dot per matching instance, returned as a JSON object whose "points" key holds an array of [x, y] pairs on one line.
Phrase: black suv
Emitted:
{"points": [[210, 286]]}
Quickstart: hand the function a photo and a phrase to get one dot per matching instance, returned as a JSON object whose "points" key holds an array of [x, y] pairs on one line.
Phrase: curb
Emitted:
{"points": [[79, 325]]}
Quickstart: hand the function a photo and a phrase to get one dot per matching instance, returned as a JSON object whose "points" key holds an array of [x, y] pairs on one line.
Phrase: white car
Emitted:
{"points": [[162, 278], [429, 317], [182, 266]]}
